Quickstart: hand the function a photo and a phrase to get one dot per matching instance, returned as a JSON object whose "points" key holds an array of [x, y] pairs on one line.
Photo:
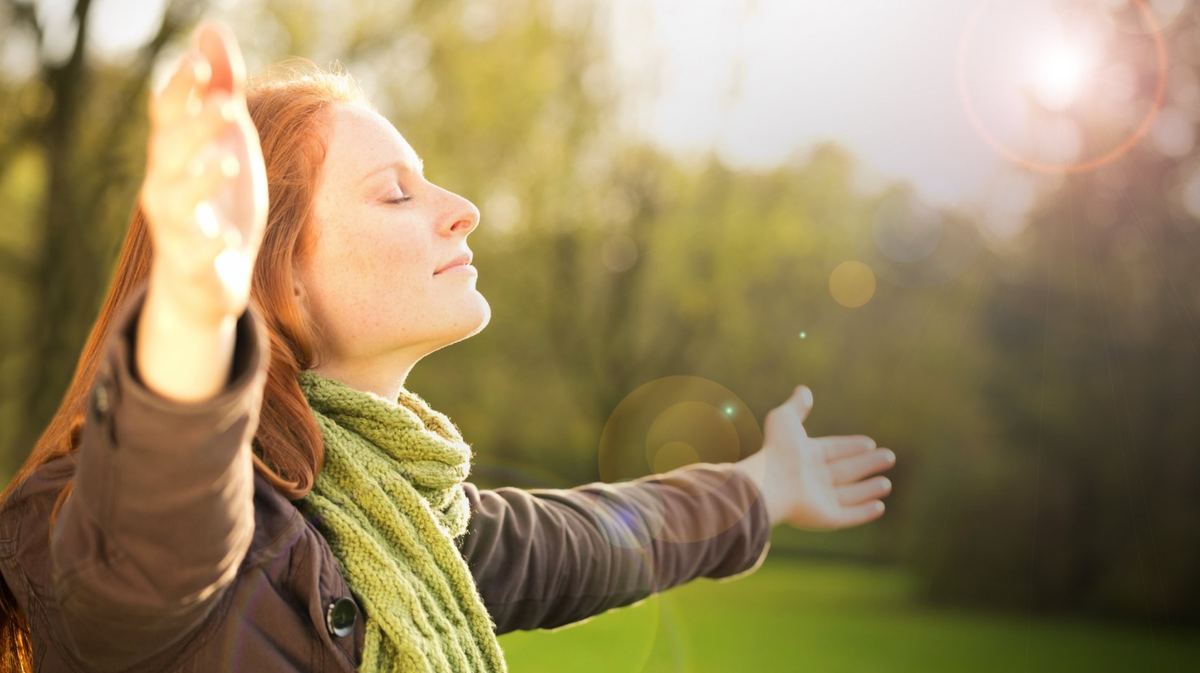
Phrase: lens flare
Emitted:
{"points": [[1062, 74], [675, 421]]}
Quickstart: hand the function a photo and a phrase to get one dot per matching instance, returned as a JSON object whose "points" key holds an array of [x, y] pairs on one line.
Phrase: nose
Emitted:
{"points": [[464, 216]]}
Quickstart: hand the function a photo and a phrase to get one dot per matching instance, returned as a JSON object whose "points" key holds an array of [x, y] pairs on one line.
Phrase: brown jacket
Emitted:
{"points": [[173, 554]]}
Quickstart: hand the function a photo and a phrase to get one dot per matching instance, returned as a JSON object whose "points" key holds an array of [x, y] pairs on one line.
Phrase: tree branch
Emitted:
{"points": [[25, 13]]}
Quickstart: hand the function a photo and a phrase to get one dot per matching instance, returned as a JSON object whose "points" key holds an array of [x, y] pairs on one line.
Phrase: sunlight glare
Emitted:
{"points": [[1062, 72]]}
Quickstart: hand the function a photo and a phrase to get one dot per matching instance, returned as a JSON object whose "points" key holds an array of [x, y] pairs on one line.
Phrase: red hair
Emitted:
{"points": [[288, 104]]}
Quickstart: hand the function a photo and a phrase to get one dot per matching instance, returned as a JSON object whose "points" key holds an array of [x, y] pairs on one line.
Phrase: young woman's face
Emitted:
{"points": [[382, 234]]}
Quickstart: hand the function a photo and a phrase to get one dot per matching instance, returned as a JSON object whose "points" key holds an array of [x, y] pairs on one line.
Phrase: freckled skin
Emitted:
{"points": [[370, 284]]}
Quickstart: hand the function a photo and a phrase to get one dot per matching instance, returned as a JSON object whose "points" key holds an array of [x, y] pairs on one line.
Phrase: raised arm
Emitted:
{"points": [[161, 512], [543, 558]]}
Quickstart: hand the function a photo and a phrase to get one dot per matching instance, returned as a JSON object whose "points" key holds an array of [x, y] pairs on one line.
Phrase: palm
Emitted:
{"points": [[817, 505], [205, 194]]}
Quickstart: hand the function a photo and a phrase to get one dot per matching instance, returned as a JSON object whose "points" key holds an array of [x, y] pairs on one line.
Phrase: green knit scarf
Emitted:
{"points": [[389, 503]]}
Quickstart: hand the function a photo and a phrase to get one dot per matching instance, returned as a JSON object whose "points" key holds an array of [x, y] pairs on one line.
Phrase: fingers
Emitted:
{"points": [[853, 494], [186, 87], [216, 42], [174, 200], [205, 193], [174, 146], [198, 111], [213, 65], [848, 470], [839, 447], [860, 514]]}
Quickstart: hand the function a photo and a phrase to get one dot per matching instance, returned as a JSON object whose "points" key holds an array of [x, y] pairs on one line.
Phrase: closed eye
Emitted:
{"points": [[400, 200]]}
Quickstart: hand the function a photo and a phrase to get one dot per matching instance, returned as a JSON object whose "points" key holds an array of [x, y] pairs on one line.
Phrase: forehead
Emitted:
{"points": [[361, 140]]}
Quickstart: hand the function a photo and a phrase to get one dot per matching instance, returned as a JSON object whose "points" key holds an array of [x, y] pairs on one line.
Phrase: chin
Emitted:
{"points": [[475, 315]]}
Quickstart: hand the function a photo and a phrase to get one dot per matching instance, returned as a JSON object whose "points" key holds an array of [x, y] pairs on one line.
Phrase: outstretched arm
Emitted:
{"points": [[543, 558]]}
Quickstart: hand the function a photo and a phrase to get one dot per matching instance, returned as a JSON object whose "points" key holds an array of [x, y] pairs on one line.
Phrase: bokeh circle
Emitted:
{"points": [[668, 424], [852, 284]]}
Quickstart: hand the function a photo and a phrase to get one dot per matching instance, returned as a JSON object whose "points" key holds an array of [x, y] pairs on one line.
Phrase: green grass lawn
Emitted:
{"points": [[800, 615]]}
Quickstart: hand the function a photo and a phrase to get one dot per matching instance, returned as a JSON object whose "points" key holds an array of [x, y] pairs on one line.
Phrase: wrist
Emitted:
{"points": [[179, 304], [755, 469], [181, 356]]}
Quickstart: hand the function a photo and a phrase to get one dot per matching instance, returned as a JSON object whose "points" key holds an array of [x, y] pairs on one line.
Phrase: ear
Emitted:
{"points": [[297, 285]]}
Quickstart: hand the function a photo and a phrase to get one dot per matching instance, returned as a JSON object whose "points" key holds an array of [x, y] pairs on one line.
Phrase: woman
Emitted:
{"points": [[237, 478]]}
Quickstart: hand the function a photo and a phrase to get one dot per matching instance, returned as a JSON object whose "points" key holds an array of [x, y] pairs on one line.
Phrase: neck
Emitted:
{"points": [[383, 379]]}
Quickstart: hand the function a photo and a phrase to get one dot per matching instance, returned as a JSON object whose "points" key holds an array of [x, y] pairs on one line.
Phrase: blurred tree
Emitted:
{"points": [[1087, 499], [68, 143]]}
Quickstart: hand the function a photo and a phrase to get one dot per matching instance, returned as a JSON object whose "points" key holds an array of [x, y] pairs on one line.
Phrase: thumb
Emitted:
{"points": [[803, 399]]}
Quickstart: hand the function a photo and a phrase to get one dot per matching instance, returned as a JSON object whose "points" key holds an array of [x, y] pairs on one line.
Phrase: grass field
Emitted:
{"points": [[799, 615]]}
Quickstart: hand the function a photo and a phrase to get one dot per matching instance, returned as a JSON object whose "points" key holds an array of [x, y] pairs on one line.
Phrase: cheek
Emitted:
{"points": [[386, 260], [371, 280]]}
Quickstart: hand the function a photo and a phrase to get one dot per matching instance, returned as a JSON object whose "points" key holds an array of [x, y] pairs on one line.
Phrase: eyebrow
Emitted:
{"points": [[418, 168]]}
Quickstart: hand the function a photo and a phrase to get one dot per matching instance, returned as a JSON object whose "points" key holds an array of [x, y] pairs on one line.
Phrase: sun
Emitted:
{"points": [[1061, 73], [1062, 70], [1055, 76]]}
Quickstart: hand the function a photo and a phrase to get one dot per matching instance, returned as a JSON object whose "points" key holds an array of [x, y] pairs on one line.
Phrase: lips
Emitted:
{"points": [[461, 259]]}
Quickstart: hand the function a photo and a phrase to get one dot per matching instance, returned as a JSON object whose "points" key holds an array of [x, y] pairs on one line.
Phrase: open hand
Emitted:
{"points": [[205, 192], [817, 483]]}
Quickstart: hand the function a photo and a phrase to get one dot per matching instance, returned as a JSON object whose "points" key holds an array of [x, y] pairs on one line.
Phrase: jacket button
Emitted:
{"points": [[340, 617], [100, 401]]}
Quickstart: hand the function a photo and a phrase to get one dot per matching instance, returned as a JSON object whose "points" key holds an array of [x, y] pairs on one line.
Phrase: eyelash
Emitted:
{"points": [[398, 201]]}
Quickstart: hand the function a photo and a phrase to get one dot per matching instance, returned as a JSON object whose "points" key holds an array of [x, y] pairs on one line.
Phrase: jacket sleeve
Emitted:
{"points": [[161, 512], [544, 558]]}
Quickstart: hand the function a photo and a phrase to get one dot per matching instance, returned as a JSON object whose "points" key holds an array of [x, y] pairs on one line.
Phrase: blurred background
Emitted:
{"points": [[971, 227]]}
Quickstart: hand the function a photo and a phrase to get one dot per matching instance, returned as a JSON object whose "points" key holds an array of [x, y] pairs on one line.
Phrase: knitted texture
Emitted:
{"points": [[389, 502]]}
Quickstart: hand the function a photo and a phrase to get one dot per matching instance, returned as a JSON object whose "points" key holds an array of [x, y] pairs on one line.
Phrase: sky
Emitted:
{"points": [[756, 79], [759, 80]]}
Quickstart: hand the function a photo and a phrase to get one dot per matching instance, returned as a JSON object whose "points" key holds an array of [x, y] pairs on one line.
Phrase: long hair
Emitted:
{"points": [[288, 104]]}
